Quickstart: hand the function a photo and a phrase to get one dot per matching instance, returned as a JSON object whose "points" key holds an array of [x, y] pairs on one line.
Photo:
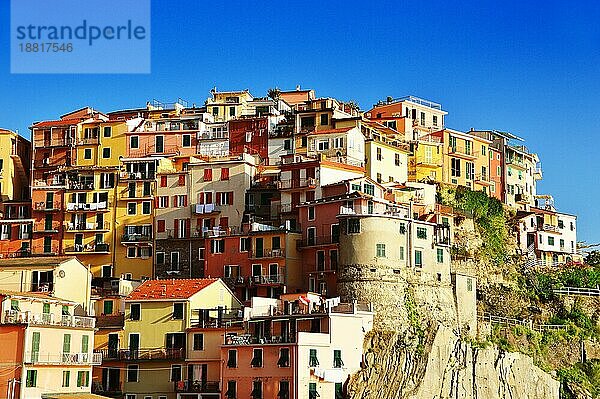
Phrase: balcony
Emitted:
{"points": [[548, 228], [273, 279], [58, 142], [152, 354], [91, 207], [80, 185], [43, 227], [197, 386], [135, 237], [110, 321], [47, 206], [249, 339], [111, 389], [88, 141], [47, 319], [522, 198], [205, 209], [483, 179], [83, 359], [537, 173], [315, 241], [462, 152], [267, 253], [17, 253], [89, 226], [516, 162], [300, 183], [222, 135], [91, 248], [124, 175], [135, 194]]}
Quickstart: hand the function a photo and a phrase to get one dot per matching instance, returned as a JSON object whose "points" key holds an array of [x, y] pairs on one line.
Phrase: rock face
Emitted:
{"points": [[447, 367]]}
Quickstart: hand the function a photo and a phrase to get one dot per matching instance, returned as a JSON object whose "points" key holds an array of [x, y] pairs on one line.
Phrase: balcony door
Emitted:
{"points": [[159, 142], [113, 345]]}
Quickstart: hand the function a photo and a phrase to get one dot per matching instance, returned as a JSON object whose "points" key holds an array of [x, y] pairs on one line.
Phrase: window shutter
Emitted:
{"points": [[185, 200], [187, 228], [201, 198], [176, 227], [175, 204], [231, 198], [156, 202], [102, 180], [160, 226], [218, 199]]}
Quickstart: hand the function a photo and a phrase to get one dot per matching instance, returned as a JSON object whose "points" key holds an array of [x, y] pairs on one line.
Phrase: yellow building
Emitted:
{"points": [[15, 158], [90, 196], [386, 156], [227, 105], [426, 160], [157, 315]]}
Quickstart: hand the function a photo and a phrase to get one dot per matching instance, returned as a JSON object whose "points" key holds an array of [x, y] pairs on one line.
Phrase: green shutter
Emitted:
{"points": [[79, 377], [108, 307], [67, 343], [46, 308], [35, 347], [85, 339]]}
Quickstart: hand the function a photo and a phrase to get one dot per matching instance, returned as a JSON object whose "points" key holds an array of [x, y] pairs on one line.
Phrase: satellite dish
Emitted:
{"points": [[61, 273]]}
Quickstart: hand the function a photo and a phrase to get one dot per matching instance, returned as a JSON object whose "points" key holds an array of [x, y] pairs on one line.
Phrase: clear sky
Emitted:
{"points": [[528, 67]]}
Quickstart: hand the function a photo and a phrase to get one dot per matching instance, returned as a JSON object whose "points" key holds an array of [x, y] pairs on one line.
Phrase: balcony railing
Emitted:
{"points": [[197, 386], [105, 321], [93, 248], [267, 253], [548, 227], [135, 237], [483, 179], [17, 253], [152, 354], [462, 152], [516, 162], [266, 280], [93, 206], [137, 193], [522, 198], [203, 209], [47, 319], [300, 183], [93, 358], [110, 389], [80, 185], [248, 339], [46, 206], [124, 175], [43, 227], [59, 142], [213, 135], [89, 226]]}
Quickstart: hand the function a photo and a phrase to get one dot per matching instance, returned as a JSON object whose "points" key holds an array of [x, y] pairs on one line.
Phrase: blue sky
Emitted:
{"points": [[530, 68]]}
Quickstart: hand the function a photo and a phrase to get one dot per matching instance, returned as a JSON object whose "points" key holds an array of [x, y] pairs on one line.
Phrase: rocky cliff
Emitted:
{"points": [[398, 366]]}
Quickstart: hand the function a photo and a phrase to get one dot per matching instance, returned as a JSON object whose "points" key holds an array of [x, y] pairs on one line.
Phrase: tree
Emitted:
{"points": [[274, 93]]}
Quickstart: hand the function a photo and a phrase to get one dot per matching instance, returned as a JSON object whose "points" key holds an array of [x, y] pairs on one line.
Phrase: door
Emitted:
{"points": [[49, 200], [48, 222], [113, 345], [46, 316], [134, 345], [160, 144], [78, 242], [259, 248], [273, 269]]}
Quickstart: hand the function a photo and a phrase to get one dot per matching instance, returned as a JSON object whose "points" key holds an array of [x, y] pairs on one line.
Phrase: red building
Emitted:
{"points": [[250, 136], [15, 229]]}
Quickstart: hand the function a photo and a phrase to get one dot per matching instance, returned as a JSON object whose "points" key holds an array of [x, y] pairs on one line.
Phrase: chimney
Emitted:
{"points": [[297, 87]]}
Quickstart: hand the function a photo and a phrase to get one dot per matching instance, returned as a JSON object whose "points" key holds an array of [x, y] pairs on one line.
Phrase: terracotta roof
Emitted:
{"points": [[64, 122], [169, 289], [332, 131]]}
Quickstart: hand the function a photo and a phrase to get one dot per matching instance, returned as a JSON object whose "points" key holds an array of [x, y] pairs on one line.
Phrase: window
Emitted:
{"points": [[418, 258], [337, 359], [435, 120], [323, 145], [160, 258], [313, 361], [379, 157], [83, 378], [284, 389], [231, 111], [440, 255], [163, 201], [245, 244], [66, 343], [231, 390], [284, 357], [339, 388], [108, 307], [550, 240], [256, 389], [175, 372], [134, 142], [217, 246], [207, 174], [106, 152], [287, 144], [312, 390], [181, 180], [402, 228], [561, 224], [455, 167], [215, 111], [324, 119], [232, 358], [401, 255], [131, 252], [397, 159], [133, 373], [198, 342], [338, 142], [146, 207], [369, 189], [381, 250], [66, 378], [572, 226], [311, 213], [107, 131], [562, 243], [353, 226], [180, 201], [257, 358], [131, 208], [31, 380], [135, 311], [186, 140], [224, 173], [379, 178], [470, 170], [355, 187], [422, 232], [87, 153], [483, 150], [469, 284]]}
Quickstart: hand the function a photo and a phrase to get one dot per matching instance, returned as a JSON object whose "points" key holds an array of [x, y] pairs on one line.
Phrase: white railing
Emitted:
{"points": [[92, 206], [47, 319], [91, 358], [577, 291], [510, 322]]}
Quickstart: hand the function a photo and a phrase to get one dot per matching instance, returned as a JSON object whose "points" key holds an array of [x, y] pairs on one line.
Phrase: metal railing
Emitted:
{"points": [[47, 319], [89, 248], [320, 240], [267, 279], [45, 206], [300, 183], [80, 185], [197, 386], [267, 253], [136, 237], [462, 151], [92, 206], [46, 227], [152, 354], [88, 226], [92, 358], [577, 291], [248, 339], [137, 193], [124, 175]]}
